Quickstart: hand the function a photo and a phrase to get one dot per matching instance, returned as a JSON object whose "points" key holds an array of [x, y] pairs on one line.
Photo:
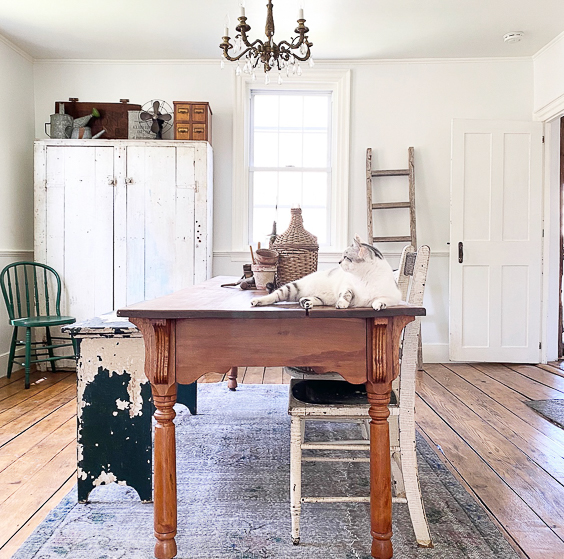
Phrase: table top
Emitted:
{"points": [[210, 300]]}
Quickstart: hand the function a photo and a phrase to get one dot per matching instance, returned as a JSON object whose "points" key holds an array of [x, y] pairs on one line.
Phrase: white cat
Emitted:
{"points": [[364, 279]]}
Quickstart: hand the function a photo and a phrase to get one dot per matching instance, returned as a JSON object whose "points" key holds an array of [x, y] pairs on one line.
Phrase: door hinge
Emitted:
{"points": [[540, 345], [543, 139]]}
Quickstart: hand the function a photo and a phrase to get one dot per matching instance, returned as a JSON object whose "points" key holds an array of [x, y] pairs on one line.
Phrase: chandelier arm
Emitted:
{"points": [[239, 56]]}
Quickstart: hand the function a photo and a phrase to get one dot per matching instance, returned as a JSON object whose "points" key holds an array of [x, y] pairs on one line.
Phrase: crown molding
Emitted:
{"points": [[106, 61], [318, 62], [550, 110], [16, 49], [549, 45]]}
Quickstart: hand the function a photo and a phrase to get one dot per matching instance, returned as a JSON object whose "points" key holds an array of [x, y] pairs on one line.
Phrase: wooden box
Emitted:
{"points": [[192, 121], [113, 117]]}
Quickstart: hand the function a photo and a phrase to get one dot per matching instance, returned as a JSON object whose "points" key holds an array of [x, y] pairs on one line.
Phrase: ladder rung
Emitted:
{"points": [[391, 173], [386, 205], [405, 239]]}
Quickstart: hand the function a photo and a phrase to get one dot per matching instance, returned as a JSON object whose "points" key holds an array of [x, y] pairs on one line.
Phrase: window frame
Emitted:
{"points": [[328, 169], [338, 83]]}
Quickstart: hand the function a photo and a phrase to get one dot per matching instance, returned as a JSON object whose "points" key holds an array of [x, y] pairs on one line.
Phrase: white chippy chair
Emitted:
{"points": [[313, 397]]}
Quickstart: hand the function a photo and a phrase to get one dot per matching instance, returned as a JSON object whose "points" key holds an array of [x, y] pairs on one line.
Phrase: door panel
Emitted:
{"points": [[496, 212], [80, 226]]}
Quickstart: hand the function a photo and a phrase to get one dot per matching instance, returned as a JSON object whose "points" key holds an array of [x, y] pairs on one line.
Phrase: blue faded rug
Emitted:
{"points": [[233, 497]]}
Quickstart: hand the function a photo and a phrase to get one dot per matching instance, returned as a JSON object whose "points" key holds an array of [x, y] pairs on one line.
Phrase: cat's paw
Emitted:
{"points": [[306, 302], [257, 302], [342, 304], [378, 305]]}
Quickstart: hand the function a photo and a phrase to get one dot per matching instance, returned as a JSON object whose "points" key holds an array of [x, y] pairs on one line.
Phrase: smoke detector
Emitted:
{"points": [[513, 36]]}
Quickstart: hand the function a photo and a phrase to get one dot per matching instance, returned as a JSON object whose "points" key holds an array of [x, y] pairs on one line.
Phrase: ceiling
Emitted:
{"points": [[352, 29]]}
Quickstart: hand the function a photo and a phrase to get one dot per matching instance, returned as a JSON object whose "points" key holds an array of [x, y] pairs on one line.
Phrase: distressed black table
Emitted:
{"points": [[208, 328]]}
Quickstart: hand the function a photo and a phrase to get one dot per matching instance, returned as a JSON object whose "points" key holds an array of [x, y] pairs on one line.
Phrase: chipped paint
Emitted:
{"points": [[114, 413], [104, 478]]}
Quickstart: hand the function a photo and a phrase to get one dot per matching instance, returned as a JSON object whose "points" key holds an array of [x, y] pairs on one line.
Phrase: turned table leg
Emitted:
{"points": [[165, 476], [232, 378], [380, 471]]}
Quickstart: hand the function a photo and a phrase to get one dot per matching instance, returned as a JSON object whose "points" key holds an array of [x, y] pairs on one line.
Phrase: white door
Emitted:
{"points": [[496, 241], [157, 221], [79, 226]]}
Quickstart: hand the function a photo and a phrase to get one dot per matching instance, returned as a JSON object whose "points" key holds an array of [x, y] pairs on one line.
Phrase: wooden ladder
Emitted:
{"points": [[371, 206], [409, 172]]}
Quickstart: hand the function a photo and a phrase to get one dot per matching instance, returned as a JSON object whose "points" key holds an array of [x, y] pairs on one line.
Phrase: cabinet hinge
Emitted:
{"points": [[196, 186], [543, 139], [540, 345], [45, 184]]}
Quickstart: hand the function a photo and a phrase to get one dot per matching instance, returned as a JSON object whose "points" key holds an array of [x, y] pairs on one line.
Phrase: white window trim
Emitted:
{"points": [[337, 81]]}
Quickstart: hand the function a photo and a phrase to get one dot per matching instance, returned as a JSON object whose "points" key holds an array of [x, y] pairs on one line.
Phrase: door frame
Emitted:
{"points": [[552, 239]]}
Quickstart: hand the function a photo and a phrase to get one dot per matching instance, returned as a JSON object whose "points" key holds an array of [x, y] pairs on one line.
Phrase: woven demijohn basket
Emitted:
{"points": [[297, 249]]}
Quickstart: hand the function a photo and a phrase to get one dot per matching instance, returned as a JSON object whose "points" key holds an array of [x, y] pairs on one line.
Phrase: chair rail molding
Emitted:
{"points": [[337, 81], [10, 253]]}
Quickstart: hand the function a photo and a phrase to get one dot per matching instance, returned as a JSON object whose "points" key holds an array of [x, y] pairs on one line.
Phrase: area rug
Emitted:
{"points": [[233, 482], [553, 410]]}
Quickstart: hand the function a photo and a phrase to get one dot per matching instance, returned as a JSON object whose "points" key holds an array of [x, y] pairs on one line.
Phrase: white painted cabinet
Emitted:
{"points": [[123, 220]]}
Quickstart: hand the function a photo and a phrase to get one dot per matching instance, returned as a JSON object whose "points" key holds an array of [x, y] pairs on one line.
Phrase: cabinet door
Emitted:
{"points": [[159, 217], [79, 226]]}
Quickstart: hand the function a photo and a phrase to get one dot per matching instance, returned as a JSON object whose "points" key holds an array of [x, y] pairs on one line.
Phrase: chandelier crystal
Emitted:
{"points": [[270, 55]]}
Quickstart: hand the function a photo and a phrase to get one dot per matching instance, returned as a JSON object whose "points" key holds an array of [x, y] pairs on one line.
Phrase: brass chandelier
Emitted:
{"points": [[280, 56]]}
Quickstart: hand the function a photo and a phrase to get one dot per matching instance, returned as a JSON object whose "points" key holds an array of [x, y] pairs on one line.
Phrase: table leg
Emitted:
{"points": [[380, 470], [165, 475], [232, 378]]}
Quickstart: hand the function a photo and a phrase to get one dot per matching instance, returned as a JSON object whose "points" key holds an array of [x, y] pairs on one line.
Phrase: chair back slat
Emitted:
{"points": [[36, 292], [403, 278], [46, 290], [27, 292], [30, 289]]}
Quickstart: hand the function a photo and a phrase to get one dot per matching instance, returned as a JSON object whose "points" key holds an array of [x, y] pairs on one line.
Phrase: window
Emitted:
{"points": [[291, 146], [290, 161]]}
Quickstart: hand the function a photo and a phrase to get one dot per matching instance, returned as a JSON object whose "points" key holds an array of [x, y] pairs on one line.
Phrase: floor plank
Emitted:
{"points": [[17, 539], [253, 375], [535, 486], [537, 446], [518, 520]]}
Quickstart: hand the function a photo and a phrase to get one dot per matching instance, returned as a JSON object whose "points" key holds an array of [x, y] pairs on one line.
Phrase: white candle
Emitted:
{"points": [[242, 11], [301, 13], [226, 32]]}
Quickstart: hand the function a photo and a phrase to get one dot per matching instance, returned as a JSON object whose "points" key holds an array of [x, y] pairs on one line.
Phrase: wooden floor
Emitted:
{"points": [[509, 458]]}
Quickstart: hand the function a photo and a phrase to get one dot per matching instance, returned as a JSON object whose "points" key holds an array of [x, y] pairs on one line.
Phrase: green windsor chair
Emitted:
{"points": [[32, 293]]}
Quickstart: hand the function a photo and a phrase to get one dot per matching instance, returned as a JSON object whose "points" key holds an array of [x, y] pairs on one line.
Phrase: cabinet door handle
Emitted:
{"points": [[460, 252], [112, 181], [128, 180]]}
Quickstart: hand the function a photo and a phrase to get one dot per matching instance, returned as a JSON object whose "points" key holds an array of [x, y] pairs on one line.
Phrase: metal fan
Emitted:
{"points": [[156, 117]]}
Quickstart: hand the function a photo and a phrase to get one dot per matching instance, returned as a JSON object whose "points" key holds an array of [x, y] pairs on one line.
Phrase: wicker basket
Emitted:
{"points": [[297, 249]]}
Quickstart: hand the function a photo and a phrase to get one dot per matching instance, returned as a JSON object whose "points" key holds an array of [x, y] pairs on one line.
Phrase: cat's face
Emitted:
{"points": [[357, 253]]}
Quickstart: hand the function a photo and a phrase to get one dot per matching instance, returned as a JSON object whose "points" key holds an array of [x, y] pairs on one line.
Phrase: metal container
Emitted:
{"points": [[60, 126]]}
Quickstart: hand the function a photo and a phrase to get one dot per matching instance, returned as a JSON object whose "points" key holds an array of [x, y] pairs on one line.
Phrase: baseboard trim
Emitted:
{"points": [[435, 353]]}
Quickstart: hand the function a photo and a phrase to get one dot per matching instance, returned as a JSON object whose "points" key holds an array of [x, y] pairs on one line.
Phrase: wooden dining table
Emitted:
{"points": [[209, 328]]}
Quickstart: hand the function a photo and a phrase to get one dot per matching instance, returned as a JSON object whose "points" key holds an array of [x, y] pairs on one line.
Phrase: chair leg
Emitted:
{"points": [[27, 355], [12, 351], [232, 378], [412, 488], [397, 475], [50, 350], [296, 476]]}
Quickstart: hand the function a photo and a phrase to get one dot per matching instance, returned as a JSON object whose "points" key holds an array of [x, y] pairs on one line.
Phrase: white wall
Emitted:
{"points": [[16, 169], [394, 105]]}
